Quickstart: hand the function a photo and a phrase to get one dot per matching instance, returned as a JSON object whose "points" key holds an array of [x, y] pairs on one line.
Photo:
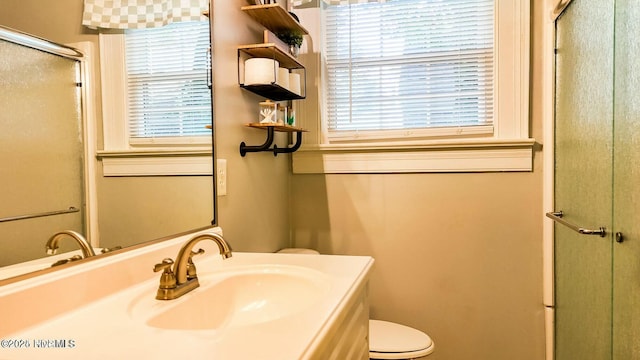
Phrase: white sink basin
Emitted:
{"points": [[263, 306], [235, 297]]}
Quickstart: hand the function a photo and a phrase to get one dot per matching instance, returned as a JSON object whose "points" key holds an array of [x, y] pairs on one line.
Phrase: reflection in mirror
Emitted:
{"points": [[43, 163], [50, 177]]}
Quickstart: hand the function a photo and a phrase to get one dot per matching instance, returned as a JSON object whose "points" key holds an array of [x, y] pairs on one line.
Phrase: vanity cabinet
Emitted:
{"points": [[327, 320], [276, 20], [348, 338]]}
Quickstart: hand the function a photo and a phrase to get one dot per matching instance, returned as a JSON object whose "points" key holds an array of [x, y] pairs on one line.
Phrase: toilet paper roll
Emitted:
{"points": [[283, 78], [260, 71], [294, 83]]}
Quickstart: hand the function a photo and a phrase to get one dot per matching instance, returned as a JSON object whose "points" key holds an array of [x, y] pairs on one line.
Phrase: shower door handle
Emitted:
{"points": [[557, 216], [209, 68]]}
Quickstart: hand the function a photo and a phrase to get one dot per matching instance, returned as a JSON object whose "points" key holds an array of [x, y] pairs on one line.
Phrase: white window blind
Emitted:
{"points": [[409, 64], [167, 86]]}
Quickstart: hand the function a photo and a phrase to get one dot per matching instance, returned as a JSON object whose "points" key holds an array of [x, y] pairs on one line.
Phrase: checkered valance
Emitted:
{"points": [[137, 14]]}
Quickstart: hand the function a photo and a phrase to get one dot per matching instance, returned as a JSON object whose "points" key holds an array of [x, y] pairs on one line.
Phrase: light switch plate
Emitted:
{"points": [[221, 177]]}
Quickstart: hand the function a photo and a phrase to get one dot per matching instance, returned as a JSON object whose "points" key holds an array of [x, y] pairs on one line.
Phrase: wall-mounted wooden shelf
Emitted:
{"points": [[275, 18], [277, 127], [270, 50], [271, 91]]}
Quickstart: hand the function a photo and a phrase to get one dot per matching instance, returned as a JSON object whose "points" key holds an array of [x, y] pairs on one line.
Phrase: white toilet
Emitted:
{"points": [[389, 340]]}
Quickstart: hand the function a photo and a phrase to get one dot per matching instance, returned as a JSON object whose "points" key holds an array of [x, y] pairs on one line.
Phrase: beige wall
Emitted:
{"points": [[458, 256], [147, 207], [255, 213]]}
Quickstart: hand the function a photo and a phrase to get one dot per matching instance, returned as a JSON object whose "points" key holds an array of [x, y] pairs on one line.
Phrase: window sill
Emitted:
{"points": [[156, 163], [441, 156]]}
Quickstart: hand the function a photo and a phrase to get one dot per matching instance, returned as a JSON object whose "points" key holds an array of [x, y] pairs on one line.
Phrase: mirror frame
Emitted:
{"points": [[48, 270]]}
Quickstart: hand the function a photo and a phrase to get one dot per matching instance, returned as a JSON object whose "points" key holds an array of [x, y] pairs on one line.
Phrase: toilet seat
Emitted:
{"points": [[298, 251], [389, 340]]}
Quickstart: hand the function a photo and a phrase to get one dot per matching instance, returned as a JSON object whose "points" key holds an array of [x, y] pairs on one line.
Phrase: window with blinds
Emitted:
{"points": [[167, 91], [409, 67]]}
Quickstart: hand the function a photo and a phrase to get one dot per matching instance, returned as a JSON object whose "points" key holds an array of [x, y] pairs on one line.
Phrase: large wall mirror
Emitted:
{"points": [[57, 208]]}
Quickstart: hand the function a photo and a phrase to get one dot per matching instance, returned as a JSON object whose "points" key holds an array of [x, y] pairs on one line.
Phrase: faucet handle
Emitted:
{"points": [[64, 261], [106, 250], [168, 278], [191, 267], [164, 265]]}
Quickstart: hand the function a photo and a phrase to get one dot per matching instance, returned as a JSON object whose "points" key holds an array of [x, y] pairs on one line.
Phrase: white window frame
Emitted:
{"points": [[122, 157], [508, 148]]}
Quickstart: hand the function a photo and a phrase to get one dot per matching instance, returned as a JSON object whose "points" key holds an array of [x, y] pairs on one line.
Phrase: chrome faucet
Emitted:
{"points": [[183, 277], [52, 243]]}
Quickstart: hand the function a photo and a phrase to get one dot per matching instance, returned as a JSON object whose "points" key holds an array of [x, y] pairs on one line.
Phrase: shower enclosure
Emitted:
{"points": [[42, 156], [597, 181]]}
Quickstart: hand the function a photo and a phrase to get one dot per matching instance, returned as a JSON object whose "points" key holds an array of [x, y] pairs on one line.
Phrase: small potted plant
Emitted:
{"points": [[294, 40]]}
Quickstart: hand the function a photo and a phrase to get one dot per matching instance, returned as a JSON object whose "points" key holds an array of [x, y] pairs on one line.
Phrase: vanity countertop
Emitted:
{"points": [[117, 326]]}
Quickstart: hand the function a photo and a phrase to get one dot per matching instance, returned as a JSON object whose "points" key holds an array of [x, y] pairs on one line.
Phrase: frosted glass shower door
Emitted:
{"points": [[626, 182], [583, 180], [42, 150]]}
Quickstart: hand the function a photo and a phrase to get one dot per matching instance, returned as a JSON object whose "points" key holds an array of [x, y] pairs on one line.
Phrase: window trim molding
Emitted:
{"points": [[444, 156], [115, 132], [89, 124], [121, 158], [153, 163], [509, 148]]}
